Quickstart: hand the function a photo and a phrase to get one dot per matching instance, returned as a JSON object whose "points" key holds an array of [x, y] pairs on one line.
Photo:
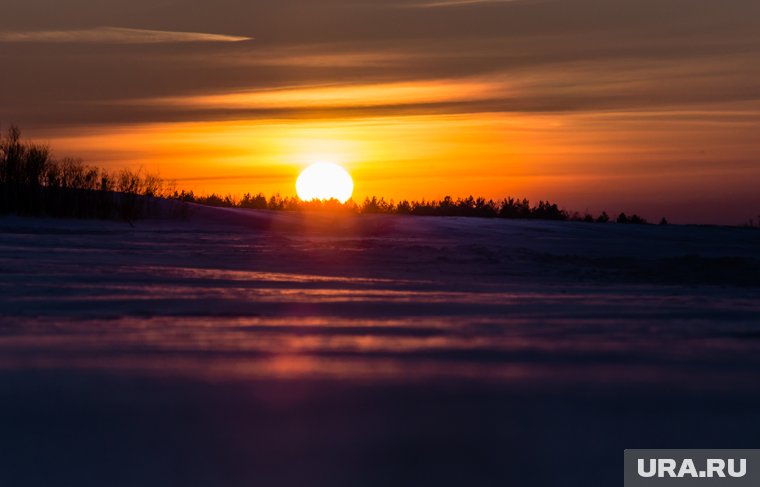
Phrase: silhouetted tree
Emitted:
{"points": [[512, 208], [547, 211], [636, 220], [404, 208], [375, 205], [633, 219], [33, 183], [258, 202]]}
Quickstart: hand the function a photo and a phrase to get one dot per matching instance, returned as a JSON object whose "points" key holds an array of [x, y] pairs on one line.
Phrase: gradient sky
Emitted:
{"points": [[650, 106]]}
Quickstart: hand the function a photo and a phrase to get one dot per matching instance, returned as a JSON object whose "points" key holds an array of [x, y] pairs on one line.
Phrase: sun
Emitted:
{"points": [[324, 181]]}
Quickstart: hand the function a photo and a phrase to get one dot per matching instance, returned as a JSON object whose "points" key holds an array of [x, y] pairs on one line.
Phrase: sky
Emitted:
{"points": [[647, 106]]}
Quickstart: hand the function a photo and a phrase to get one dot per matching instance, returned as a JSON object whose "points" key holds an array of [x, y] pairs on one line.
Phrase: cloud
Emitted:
{"points": [[457, 3], [343, 96], [116, 35]]}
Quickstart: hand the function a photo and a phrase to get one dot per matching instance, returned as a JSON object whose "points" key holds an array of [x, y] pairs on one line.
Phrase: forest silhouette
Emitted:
{"points": [[33, 183]]}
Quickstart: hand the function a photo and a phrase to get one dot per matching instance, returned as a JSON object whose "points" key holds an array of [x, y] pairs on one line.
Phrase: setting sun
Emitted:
{"points": [[324, 181]]}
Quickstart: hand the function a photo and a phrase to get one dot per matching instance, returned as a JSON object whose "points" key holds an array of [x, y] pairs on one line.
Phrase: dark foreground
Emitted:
{"points": [[269, 350]]}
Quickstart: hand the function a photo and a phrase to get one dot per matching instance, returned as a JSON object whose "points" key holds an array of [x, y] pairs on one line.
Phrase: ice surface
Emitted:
{"points": [[258, 348]]}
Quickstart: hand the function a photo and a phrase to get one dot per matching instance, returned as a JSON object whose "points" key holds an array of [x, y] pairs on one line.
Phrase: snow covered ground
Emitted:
{"points": [[258, 348]]}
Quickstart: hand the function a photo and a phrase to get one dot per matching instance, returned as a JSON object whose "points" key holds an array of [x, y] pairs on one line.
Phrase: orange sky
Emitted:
{"points": [[643, 106], [605, 161]]}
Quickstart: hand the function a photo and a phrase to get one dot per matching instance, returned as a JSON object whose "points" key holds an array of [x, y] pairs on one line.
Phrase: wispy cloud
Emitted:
{"points": [[344, 96], [116, 35], [457, 3]]}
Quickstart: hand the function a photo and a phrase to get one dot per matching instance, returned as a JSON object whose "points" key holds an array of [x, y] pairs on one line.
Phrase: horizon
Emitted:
{"points": [[597, 106], [682, 212], [29, 169]]}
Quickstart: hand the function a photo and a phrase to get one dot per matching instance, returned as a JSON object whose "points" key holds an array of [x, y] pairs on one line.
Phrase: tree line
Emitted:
{"points": [[32, 182], [511, 208]]}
